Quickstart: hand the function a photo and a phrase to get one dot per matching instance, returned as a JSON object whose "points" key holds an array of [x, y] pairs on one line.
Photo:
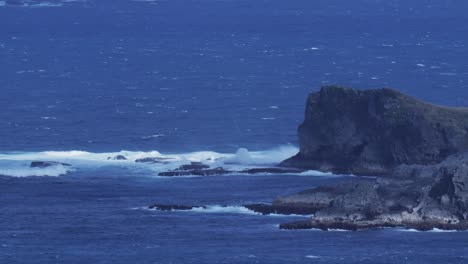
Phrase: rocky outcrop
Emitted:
{"points": [[118, 157], [195, 172], [371, 132], [153, 160], [47, 164], [287, 209], [201, 169], [173, 207], [419, 197]]}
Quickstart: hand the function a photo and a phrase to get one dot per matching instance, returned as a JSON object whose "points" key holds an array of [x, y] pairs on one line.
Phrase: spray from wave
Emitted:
{"points": [[16, 164], [20, 169]]}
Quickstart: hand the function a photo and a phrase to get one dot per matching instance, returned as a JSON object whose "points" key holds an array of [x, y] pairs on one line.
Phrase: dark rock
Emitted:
{"points": [[200, 169], [193, 166], [267, 209], [166, 207], [118, 157], [196, 172], [153, 160], [371, 132], [272, 170], [46, 164]]}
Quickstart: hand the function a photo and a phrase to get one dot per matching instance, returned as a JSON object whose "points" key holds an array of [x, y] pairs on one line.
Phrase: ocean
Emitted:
{"points": [[217, 81]]}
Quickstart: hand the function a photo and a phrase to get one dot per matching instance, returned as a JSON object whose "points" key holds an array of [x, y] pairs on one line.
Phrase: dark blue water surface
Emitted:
{"points": [[179, 76]]}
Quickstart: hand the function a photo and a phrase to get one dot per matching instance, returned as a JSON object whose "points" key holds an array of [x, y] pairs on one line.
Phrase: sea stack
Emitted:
{"points": [[370, 132]]}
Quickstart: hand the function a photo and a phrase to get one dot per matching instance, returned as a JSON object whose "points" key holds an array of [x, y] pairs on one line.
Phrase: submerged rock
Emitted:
{"points": [[371, 132], [46, 164], [200, 169], [166, 207], [153, 160]]}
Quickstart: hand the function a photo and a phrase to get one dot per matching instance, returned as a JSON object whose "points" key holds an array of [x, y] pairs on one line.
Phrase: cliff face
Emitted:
{"points": [[371, 132]]}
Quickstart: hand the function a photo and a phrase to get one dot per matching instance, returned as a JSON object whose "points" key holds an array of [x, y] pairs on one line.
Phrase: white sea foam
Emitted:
{"points": [[24, 170], [224, 210], [240, 160], [317, 173], [434, 230]]}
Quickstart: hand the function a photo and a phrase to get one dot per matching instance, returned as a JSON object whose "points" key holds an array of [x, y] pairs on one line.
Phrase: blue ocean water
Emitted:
{"points": [[84, 80]]}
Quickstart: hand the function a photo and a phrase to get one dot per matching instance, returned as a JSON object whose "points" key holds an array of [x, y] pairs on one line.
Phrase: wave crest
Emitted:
{"points": [[240, 160]]}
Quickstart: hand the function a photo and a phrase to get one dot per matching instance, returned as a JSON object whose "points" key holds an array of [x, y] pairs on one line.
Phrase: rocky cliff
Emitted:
{"points": [[371, 132], [419, 197]]}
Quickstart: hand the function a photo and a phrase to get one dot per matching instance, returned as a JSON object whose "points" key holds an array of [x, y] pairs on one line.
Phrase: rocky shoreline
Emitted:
{"points": [[416, 148]]}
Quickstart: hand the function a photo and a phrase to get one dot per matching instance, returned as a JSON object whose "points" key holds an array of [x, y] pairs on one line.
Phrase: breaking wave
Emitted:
{"points": [[24, 170], [228, 209], [16, 164], [218, 209]]}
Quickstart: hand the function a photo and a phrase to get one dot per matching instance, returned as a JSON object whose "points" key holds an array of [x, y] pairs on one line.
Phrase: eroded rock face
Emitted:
{"points": [[419, 197], [371, 132]]}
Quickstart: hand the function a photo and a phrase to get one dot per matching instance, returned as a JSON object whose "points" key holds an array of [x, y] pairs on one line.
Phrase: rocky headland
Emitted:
{"points": [[416, 149], [371, 132]]}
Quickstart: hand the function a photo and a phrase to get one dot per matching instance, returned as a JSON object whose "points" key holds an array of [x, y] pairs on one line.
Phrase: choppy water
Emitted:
{"points": [[192, 80]]}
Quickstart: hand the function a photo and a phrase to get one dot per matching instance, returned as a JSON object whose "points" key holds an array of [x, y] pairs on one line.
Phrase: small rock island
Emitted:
{"points": [[415, 150]]}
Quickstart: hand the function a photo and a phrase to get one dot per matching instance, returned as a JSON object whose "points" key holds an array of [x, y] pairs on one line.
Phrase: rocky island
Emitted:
{"points": [[415, 153], [416, 149]]}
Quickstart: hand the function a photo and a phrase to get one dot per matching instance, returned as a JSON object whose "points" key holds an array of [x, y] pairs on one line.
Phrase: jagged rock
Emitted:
{"points": [[371, 132], [46, 164], [118, 157]]}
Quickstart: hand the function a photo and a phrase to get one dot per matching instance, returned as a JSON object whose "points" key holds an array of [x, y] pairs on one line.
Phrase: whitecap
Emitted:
{"points": [[153, 136], [240, 160], [48, 117], [317, 173], [311, 48], [218, 209], [434, 230], [227, 209], [26, 171]]}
